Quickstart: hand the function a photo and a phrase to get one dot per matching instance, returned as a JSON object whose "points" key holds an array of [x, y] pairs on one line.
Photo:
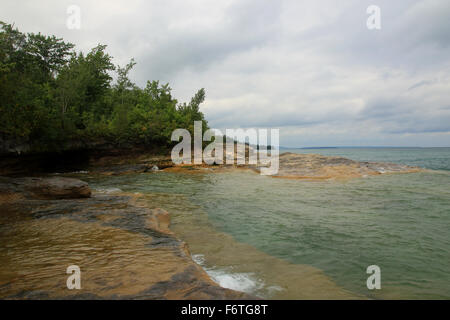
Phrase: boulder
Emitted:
{"points": [[46, 188], [58, 188]]}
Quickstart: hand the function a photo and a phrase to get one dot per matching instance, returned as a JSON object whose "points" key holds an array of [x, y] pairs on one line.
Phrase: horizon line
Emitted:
{"points": [[360, 147]]}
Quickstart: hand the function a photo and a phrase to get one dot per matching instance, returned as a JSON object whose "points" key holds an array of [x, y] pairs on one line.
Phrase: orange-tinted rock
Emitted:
{"points": [[159, 219], [124, 251]]}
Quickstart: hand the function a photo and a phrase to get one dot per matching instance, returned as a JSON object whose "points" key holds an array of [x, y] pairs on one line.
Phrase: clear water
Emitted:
{"points": [[399, 222]]}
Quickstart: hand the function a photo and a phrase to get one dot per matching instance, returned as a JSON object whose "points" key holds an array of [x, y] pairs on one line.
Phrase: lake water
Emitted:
{"points": [[279, 238]]}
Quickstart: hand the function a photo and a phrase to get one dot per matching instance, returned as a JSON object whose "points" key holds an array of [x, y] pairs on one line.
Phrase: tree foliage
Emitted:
{"points": [[52, 96]]}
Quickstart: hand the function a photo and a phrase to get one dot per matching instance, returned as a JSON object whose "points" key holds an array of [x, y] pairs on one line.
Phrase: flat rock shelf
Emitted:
{"points": [[124, 249]]}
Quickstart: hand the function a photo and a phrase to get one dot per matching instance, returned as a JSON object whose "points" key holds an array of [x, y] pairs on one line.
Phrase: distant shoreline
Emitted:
{"points": [[358, 147]]}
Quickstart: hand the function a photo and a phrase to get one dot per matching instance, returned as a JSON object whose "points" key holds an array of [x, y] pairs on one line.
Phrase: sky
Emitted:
{"points": [[311, 68]]}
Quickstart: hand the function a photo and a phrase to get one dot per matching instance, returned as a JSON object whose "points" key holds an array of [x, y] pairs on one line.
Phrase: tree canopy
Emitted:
{"points": [[51, 96]]}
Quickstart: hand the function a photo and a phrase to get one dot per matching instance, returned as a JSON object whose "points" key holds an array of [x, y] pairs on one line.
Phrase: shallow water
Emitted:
{"points": [[288, 236]]}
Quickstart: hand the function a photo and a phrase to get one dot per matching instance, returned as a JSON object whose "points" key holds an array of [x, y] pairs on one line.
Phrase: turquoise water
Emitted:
{"points": [[399, 222]]}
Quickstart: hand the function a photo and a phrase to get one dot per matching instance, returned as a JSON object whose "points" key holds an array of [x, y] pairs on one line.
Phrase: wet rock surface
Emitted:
{"points": [[308, 166], [45, 188], [124, 249], [107, 162], [125, 164], [315, 166]]}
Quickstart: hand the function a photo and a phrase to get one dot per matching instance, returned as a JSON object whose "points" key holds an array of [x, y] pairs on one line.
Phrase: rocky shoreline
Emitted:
{"points": [[147, 261], [125, 161], [125, 250], [310, 167], [315, 166]]}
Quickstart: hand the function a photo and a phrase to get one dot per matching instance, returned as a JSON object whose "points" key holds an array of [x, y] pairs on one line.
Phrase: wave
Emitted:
{"points": [[240, 281]]}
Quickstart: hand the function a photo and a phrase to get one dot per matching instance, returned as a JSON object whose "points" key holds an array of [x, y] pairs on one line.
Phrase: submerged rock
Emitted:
{"points": [[124, 249]]}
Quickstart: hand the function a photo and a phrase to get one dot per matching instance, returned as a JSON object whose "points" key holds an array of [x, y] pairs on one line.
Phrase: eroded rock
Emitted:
{"points": [[45, 188], [124, 249], [308, 166], [315, 166]]}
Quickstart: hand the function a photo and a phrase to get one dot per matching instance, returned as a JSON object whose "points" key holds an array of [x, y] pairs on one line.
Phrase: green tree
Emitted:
{"points": [[51, 96]]}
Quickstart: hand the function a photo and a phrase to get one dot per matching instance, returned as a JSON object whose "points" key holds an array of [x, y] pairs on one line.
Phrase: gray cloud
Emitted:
{"points": [[311, 68], [420, 84]]}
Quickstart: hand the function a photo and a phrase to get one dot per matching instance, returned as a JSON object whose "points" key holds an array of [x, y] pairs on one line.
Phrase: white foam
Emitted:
{"points": [[244, 282], [240, 281], [108, 190], [198, 259]]}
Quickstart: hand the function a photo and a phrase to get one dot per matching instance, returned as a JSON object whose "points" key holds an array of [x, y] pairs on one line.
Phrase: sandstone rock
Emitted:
{"points": [[315, 166], [159, 219], [123, 248], [308, 166], [59, 188], [46, 188]]}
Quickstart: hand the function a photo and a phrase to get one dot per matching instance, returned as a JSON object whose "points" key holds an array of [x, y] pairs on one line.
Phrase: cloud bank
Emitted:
{"points": [[310, 68]]}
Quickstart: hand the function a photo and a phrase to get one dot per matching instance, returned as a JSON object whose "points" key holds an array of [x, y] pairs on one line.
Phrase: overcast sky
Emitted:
{"points": [[311, 68]]}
